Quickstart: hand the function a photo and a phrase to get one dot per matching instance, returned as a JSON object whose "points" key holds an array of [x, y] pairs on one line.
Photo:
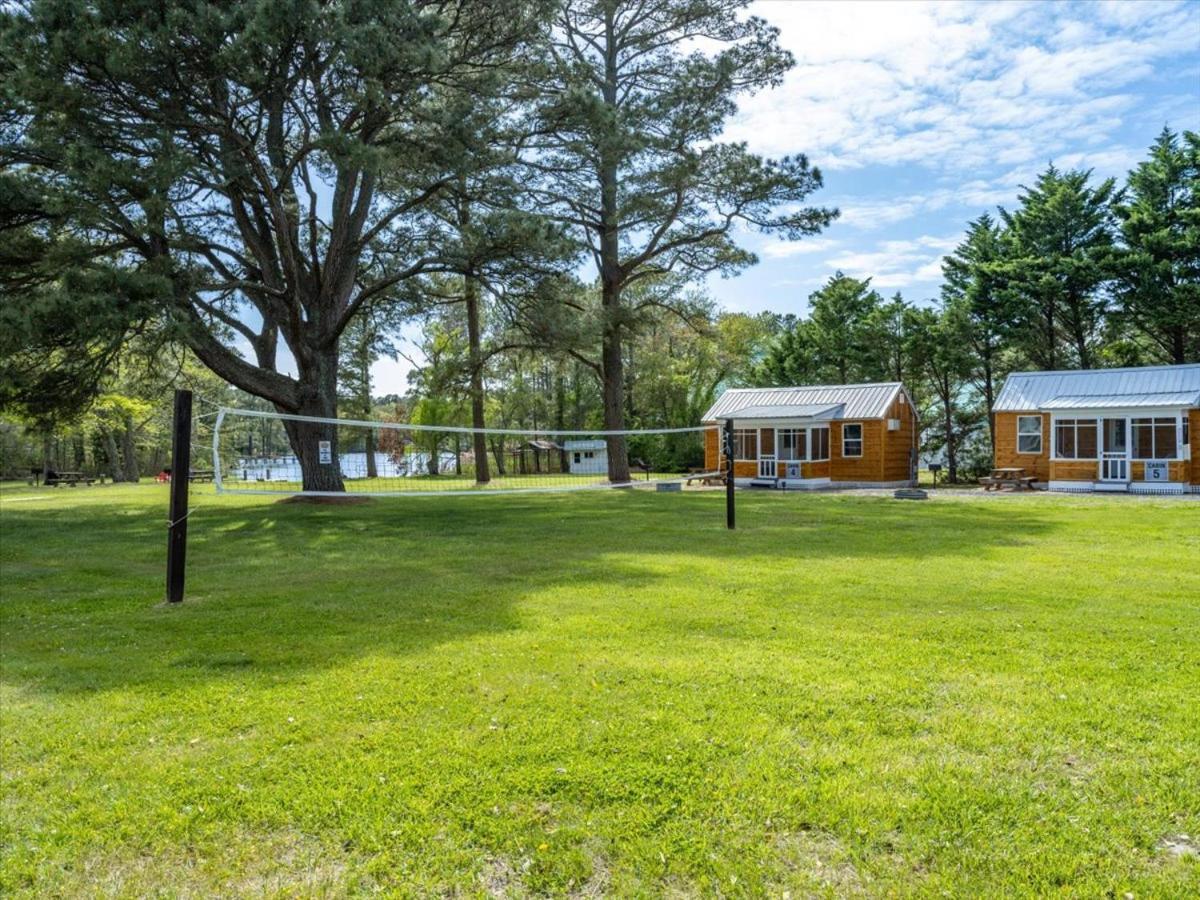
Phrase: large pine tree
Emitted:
{"points": [[264, 169], [631, 104]]}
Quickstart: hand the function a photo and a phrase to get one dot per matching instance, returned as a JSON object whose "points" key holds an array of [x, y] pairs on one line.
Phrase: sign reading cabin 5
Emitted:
{"points": [[1156, 470]]}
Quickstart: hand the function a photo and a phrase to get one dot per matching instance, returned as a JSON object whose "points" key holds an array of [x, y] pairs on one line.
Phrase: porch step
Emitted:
{"points": [[1118, 487], [762, 482]]}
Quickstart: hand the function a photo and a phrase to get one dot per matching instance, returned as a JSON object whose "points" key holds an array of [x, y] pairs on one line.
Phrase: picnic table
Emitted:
{"points": [[1012, 477], [69, 478], [705, 476], [201, 475]]}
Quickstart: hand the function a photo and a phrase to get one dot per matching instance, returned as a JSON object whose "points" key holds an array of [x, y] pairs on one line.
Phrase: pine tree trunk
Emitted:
{"points": [[129, 470], [474, 345], [114, 457], [47, 455], [365, 399], [612, 366], [369, 445], [319, 398], [951, 448], [498, 452]]}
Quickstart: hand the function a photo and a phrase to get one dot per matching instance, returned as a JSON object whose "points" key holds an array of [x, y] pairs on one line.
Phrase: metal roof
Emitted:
{"points": [[858, 401], [1172, 399], [1092, 388], [803, 411]]}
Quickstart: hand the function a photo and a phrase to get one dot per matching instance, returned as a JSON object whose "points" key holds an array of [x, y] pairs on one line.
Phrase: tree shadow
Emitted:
{"points": [[277, 590]]}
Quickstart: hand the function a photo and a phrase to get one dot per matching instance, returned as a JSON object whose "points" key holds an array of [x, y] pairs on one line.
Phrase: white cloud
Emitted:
{"points": [[957, 86], [785, 249], [898, 263]]}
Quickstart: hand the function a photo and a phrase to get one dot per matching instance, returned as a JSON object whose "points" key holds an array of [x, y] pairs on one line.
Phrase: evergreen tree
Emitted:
{"points": [[264, 170], [974, 289], [1059, 252], [942, 366], [630, 107], [1158, 289]]}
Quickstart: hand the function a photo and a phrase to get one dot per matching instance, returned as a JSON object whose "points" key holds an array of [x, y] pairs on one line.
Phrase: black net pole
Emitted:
{"points": [[729, 485], [181, 467]]}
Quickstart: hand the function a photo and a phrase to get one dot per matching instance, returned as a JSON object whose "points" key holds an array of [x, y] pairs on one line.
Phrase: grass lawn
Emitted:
{"points": [[602, 693]]}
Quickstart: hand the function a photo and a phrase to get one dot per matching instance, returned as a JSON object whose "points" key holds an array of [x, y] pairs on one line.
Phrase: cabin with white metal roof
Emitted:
{"points": [[1135, 429], [841, 435]]}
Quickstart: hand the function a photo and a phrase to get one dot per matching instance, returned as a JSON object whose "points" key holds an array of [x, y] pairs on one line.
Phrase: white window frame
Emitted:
{"points": [[1041, 444], [858, 440], [801, 445], [739, 436], [1076, 426], [811, 443], [1156, 422]]}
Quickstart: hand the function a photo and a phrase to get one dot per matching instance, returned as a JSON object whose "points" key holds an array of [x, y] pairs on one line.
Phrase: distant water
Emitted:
{"points": [[353, 465]]}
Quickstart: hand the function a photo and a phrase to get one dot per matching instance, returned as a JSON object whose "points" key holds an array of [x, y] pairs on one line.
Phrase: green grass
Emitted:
{"points": [[601, 693]]}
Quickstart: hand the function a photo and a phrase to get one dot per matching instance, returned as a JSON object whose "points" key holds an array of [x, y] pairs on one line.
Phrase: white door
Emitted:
{"points": [[766, 467], [1114, 452]]}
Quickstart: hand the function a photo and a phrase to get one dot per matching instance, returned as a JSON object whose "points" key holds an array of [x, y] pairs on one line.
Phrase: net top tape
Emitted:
{"points": [[453, 429]]}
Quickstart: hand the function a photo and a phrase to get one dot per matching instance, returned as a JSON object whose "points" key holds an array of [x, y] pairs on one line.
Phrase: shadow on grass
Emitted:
{"points": [[275, 590]]}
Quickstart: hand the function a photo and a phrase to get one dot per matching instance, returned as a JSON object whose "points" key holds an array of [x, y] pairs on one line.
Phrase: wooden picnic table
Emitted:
{"points": [[1008, 476], [705, 476], [201, 475], [68, 478]]}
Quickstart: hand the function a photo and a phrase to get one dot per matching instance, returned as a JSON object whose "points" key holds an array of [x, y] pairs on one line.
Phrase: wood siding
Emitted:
{"points": [[815, 469], [712, 449], [886, 454], [1006, 446], [1074, 470], [868, 467], [1046, 469], [898, 446]]}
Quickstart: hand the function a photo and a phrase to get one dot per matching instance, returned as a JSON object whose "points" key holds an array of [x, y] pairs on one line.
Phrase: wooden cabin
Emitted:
{"points": [[1134, 430], [843, 435]]}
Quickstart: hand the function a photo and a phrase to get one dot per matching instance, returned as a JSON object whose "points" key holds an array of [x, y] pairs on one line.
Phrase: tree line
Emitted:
{"points": [[1079, 274], [255, 181], [535, 190]]}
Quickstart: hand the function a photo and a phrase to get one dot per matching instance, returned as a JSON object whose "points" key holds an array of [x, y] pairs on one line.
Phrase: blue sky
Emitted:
{"points": [[922, 116]]}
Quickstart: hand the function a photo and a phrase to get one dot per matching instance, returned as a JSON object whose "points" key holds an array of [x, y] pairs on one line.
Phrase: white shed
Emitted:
{"points": [[587, 457]]}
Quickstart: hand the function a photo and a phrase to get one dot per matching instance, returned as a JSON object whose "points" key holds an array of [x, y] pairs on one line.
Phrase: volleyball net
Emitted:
{"points": [[257, 452]]}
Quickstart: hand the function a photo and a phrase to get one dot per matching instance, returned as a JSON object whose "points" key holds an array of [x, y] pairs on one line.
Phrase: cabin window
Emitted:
{"points": [[1075, 439], [852, 441], [793, 443], [1029, 434], [1154, 438], [1184, 439], [576, 458], [745, 444], [820, 443]]}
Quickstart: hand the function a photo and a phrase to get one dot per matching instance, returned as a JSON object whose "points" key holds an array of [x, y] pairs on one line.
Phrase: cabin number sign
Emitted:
{"points": [[1156, 471]]}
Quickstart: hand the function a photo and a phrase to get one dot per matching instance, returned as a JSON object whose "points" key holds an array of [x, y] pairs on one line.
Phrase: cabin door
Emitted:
{"points": [[1114, 452], [766, 453]]}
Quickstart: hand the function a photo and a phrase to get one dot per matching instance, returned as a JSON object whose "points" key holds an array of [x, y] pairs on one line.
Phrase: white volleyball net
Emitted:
{"points": [[258, 452]]}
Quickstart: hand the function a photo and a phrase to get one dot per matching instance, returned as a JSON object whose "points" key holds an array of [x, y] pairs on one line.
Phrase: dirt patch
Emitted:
{"points": [[502, 879], [1180, 846], [248, 864]]}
